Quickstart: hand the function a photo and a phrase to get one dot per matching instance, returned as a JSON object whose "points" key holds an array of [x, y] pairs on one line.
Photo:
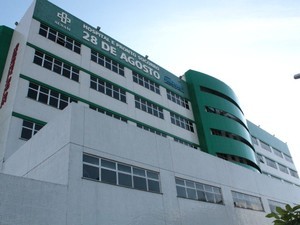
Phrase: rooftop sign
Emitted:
{"points": [[70, 25]]}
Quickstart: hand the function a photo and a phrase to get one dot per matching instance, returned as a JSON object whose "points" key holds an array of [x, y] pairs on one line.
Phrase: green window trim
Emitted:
{"points": [[31, 119], [101, 107], [97, 76], [132, 68]]}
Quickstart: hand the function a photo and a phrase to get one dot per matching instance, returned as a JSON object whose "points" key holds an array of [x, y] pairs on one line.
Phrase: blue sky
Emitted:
{"points": [[251, 45]]}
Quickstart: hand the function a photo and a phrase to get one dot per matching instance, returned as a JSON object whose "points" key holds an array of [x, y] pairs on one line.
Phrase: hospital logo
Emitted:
{"points": [[64, 17]]}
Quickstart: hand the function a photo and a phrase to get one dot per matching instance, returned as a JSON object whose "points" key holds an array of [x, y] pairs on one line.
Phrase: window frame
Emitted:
{"points": [[145, 82], [107, 63], [247, 201], [107, 88], [48, 96], [56, 66], [191, 190], [60, 38], [148, 107], [31, 127], [182, 122], [177, 99], [137, 174]]}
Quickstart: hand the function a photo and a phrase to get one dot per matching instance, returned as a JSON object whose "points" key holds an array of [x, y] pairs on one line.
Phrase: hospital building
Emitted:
{"points": [[92, 132]]}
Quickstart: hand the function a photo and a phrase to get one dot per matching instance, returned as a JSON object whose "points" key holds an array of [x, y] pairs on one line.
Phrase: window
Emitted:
{"points": [[260, 158], [29, 129], [108, 89], [288, 158], [294, 173], [225, 114], [230, 135], [107, 63], [56, 66], [48, 96], [185, 143], [277, 152], [148, 107], [178, 99], [283, 168], [116, 173], [198, 191], [254, 140], [181, 122], [145, 82], [152, 130], [59, 38], [265, 146], [245, 201], [221, 95], [108, 113], [271, 163]]}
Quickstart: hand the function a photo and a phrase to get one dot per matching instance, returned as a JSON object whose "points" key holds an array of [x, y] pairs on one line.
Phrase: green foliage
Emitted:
{"points": [[288, 216]]}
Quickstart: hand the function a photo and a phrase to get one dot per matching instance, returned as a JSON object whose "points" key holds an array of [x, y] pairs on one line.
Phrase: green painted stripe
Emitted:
{"points": [[24, 117], [50, 87], [101, 107]]}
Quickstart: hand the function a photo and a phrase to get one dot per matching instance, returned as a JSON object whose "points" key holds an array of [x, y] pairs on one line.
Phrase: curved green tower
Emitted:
{"points": [[221, 125]]}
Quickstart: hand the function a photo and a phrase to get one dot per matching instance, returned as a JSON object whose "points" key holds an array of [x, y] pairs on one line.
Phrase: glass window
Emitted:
{"points": [[150, 129], [139, 183], [294, 173], [181, 191], [283, 168], [181, 122], [113, 115], [125, 179], [265, 146], [185, 142], [29, 129], [271, 163], [148, 107], [120, 174], [91, 172], [288, 158], [274, 204], [108, 89], [59, 38], [90, 159], [260, 158], [47, 96], [254, 140], [277, 152], [177, 99], [246, 201], [108, 164], [197, 191], [108, 176], [145, 82], [109, 63], [153, 185], [56, 66]]}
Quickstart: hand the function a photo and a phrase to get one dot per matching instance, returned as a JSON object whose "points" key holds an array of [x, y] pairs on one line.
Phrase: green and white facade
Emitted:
{"points": [[94, 133]]}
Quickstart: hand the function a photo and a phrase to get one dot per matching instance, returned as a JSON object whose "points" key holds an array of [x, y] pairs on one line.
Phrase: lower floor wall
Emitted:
{"points": [[102, 171]]}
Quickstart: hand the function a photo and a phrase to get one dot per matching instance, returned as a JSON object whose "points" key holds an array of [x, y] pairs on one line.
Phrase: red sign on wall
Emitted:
{"points": [[9, 75]]}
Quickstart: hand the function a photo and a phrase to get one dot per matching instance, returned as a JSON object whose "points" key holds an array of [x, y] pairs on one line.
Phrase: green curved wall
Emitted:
{"points": [[235, 139], [5, 38]]}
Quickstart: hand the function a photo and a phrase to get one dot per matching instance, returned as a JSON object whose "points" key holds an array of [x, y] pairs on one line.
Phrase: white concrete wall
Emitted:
{"points": [[276, 172], [24, 201], [109, 138], [92, 202], [46, 155], [19, 37]]}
